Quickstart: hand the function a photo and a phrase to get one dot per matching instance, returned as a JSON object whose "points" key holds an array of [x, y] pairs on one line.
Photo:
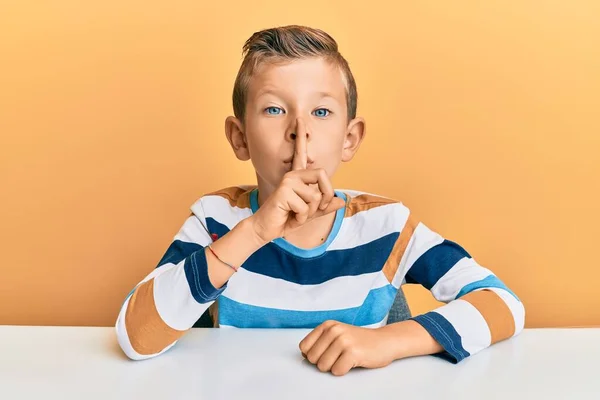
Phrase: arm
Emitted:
{"points": [[480, 311], [187, 280]]}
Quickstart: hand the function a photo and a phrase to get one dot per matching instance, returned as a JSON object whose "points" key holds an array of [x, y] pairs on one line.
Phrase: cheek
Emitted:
{"points": [[264, 140], [330, 139]]}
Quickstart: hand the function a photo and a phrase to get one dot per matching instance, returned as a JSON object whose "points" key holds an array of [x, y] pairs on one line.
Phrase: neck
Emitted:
{"points": [[264, 190]]}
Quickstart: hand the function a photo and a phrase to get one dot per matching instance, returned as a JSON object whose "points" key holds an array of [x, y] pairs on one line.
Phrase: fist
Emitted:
{"points": [[337, 348]]}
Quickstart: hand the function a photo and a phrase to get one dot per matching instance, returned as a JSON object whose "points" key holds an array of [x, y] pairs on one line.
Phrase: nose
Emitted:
{"points": [[291, 136], [293, 130]]}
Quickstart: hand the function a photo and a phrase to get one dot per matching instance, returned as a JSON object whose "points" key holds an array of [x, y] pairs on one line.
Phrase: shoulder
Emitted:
{"points": [[226, 199], [369, 218], [365, 204]]}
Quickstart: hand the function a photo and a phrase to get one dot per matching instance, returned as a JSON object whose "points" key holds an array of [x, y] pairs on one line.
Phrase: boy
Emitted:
{"points": [[294, 253]]}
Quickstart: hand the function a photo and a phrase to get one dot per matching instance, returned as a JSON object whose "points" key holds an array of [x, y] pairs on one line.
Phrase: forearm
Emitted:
{"points": [[409, 339], [234, 248]]}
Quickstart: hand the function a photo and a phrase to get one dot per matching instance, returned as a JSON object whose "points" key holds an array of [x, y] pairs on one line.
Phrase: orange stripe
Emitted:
{"points": [[243, 200], [236, 196], [364, 202], [148, 333], [393, 262], [495, 312]]}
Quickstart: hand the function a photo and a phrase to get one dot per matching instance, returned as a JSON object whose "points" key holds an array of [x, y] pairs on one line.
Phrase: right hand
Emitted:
{"points": [[301, 196]]}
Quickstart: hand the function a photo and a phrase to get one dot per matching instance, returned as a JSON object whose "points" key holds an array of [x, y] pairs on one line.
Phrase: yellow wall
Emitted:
{"points": [[483, 117]]}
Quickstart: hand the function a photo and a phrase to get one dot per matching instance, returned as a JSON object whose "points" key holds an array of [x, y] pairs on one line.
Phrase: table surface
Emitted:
{"points": [[86, 363]]}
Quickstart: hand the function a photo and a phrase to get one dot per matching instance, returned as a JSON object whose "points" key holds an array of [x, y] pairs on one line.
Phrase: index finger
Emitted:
{"points": [[300, 152]]}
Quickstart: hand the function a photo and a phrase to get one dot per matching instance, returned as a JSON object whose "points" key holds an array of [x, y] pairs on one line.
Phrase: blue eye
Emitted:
{"points": [[321, 112], [273, 110]]}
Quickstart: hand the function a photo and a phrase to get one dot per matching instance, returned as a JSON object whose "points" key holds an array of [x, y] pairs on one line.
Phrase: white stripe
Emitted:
{"points": [[515, 306], [367, 226], [422, 240], [157, 271], [465, 271], [468, 323], [219, 208], [174, 301], [193, 231], [123, 337], [335, 294]]}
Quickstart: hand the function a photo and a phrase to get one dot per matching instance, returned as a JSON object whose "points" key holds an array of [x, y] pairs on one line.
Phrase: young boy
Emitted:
{"points": [[292, 252]]}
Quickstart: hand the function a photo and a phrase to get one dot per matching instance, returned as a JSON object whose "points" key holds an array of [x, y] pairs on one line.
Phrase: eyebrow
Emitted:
{"points": [[274, 92]]}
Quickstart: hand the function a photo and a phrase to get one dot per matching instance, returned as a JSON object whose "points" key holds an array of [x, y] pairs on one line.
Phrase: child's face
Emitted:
{"points": [[278, 95]]}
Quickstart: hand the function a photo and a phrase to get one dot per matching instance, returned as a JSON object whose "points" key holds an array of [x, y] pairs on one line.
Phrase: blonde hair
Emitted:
{"points": [[289, 43]]}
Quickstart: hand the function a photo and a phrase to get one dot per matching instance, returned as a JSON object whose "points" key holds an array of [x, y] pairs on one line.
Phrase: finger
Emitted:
{"points": [[330, 355], [323, 343], [320, 177], [311, 195], [343, 364], [307, 343], [300, 152], [335, 204], [297, 206]]}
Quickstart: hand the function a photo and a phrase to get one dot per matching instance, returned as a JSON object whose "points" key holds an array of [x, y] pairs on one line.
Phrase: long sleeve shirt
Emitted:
{"points": [[375, 246]]}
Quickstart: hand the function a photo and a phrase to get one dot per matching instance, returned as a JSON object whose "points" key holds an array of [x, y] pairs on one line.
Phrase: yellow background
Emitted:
{"points": [[482, 117]]}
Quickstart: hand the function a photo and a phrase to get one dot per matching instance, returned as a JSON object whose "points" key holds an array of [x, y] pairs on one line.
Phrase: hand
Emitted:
{"points": [[301, 196], [338, 347]]}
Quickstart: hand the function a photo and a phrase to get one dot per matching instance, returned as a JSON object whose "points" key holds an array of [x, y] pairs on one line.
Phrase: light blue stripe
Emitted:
{"points": [[374, 309], [297, 251], [490, 281]]}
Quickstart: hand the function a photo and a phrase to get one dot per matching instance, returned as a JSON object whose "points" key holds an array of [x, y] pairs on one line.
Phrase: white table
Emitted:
{"points": [[86, 363]]}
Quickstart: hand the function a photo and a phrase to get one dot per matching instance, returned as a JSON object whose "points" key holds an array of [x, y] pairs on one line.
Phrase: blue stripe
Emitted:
{"points": [[374, 309], [490, 281], [273, 261], [297, 251], [196, 273], [445, 334], [178, 251], [434, 263]]}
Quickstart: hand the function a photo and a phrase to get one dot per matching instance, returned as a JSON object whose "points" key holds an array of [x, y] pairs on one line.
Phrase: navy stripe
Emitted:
{"points": [[445, 334], [373, 310], [434, 263], [178, 251], [275, 262], [490, 281], [215, 226], [196, 273]]}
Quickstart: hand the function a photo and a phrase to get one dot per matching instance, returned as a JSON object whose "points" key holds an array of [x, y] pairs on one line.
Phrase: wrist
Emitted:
{"points": [[256, 231], [392, 341], [252, 231], [408, 339]]}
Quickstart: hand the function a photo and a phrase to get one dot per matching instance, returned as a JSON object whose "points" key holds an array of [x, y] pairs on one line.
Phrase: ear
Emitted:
{"points": [[354, 136], [234, 130]]}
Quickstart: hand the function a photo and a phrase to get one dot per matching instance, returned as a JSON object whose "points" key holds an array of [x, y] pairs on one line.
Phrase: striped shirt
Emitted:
{"points": [[374, 247]]}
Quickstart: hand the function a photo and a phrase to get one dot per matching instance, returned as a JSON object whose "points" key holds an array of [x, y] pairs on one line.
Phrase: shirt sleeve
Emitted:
{"points": [[169, 300], [480, 309]]}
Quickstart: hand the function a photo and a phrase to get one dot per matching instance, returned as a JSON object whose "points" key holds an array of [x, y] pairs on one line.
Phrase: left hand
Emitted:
{"points": [[338, 347]]}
